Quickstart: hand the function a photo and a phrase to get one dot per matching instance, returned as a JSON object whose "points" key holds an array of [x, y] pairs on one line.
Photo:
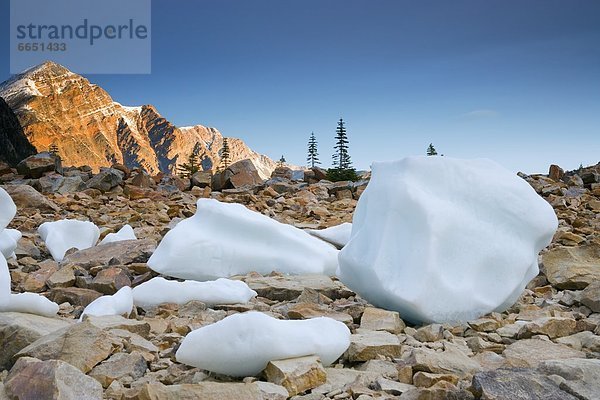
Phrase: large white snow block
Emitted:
{"points": [[243, 344], [338, 235], [8, 209], [125, 233], [222, 291], [65, 234], [31, 303], [4, 283], [223, 239], [9, 238], [117, 304], [441, 239]]}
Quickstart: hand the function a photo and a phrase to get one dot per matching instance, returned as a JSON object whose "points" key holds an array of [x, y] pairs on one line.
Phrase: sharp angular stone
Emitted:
{"points": [[26, 197], [573, 267], [32, 379], [581, 377], [286, 288], [105, 180], [109, 280], [590, 297], [368, 345], [392, 387], [109, 322], [553, 327], [430, 333], [297, 375], [376, 319], [211, 391], [64, 277], [18, 330], [529, 353], [82, 345], [517, 384], [449, 361], [426, 379], [73, 295], [116, 253], [34, 166], [119, 365], [578, 341]]}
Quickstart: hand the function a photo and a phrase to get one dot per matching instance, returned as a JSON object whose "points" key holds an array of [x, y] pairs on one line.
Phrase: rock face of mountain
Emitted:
{"points": [[14, 145], [57, 106]]}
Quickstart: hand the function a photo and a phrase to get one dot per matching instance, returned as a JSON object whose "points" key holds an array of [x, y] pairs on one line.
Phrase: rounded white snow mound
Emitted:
{"points": [[445, 240], [31, 303], [117, 304], [160, 290], [242, 344], [125, 233], [222, 240], [8, 209], [338, 235], [9, 239], [66, 234], [4, 283]]}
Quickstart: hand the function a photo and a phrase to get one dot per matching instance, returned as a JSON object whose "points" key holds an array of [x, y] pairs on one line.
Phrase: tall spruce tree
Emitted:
{"points": [[341, 158], [186, 170], [313, 153], [342, 165], [225, 156], [431, 150], [281, 162], [53, 149]]}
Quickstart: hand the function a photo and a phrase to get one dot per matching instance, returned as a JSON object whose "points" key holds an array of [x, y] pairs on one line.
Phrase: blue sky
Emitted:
{"points": [[515, 81]]}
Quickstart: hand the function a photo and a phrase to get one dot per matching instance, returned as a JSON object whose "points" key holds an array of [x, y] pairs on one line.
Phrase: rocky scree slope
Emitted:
{"points": [[547, 346]]}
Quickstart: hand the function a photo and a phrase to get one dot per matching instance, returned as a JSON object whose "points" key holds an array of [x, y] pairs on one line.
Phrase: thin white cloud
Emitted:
{"points": [[483, 113]]}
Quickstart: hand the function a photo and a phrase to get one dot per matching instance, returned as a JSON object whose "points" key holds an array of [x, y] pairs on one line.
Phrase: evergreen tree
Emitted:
{"points": [[313, 154], [281, 162], [186, 170], [431, 150], [341, 158], [342, 165], [225, 156], [53, 149]]}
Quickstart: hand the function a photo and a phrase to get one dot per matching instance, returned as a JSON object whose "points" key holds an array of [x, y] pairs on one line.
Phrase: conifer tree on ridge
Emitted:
{"points": [[313, 154]]}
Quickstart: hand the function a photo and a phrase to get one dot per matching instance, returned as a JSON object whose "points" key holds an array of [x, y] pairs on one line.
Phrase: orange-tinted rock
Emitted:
{"points": [[57, 106]]}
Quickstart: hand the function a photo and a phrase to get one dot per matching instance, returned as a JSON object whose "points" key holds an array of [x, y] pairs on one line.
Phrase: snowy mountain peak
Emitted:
{"points": [[57, 106]]}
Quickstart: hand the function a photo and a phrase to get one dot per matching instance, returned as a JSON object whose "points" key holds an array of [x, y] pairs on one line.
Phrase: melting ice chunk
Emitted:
{"points": [[243, 344]]}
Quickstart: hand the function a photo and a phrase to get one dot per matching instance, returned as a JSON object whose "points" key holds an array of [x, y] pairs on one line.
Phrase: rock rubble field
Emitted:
{"points": [[114, 312]]}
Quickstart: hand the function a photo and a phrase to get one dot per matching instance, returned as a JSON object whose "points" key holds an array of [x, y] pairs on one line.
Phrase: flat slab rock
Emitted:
{"points": [[573, 267], [32, 379], [449, 361], [289, 287], [369, 345], [297, 375], [18, 330], [214, 391], [517, 384], [116, 253], [530, 352], [581, 377], [82, 345], [119, 365]]}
